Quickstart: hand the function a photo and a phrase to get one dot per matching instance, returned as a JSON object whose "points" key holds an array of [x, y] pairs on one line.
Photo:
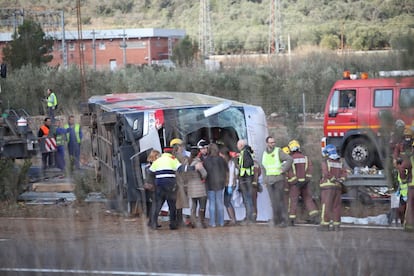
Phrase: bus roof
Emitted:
{"points": [[380, 82], [131, 102]]}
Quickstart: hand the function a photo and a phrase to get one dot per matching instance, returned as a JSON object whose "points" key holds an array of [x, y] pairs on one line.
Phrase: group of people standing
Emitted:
{"points": [[210, 173], [67, 136]]}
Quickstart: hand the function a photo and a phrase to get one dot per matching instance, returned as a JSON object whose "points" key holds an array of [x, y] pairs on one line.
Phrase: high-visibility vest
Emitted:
{"points": [[45, 130], [52, 100], [60, 139], [403, 187], [164, 168], [411, 184], [271, 162], [77, 132], [245, 171]]}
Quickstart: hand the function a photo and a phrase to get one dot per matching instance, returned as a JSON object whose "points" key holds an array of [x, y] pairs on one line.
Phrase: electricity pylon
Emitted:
{"points": [[205, 38]]}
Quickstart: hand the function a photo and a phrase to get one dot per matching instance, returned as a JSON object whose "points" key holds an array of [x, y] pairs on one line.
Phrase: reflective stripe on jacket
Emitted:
{"points": [[60, 139], [334, 173], [164, 168], [245, 171], [300, 170]]}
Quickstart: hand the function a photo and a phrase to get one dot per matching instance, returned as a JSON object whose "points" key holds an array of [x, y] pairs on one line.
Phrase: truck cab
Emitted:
{"points": [[360, 114]]}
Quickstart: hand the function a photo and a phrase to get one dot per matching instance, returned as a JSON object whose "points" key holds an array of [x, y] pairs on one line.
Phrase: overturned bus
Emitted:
{"points": [[126, 127]]}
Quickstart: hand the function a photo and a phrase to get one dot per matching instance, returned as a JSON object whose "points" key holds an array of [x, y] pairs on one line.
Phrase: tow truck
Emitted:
{"points": [[17, 140]]}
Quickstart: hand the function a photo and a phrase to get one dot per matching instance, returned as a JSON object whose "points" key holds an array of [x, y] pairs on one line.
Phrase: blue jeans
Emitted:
{"points": [[216, 206]]}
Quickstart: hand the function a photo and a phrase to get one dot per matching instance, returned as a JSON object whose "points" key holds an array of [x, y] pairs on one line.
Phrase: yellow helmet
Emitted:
{"points": [[408, 132], [176, 141], [286, 149], [294, 145]]}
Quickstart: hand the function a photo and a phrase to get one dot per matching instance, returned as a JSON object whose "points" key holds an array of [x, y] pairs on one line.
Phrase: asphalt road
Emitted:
{"points": [[118, 246]]}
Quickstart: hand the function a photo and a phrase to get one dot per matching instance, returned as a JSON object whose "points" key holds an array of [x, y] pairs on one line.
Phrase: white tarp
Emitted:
{"points": [[375, 220]]}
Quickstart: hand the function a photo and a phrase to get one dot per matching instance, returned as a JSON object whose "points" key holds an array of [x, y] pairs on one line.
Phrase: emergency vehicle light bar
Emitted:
{"points": [[397, 73]]}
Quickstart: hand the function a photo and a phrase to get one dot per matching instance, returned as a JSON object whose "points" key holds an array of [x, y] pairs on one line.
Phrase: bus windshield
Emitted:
{"points": [[225, 127]]}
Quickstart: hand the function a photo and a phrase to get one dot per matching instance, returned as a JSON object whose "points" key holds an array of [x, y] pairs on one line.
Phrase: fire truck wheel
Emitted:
{"points": [[359, 153]]}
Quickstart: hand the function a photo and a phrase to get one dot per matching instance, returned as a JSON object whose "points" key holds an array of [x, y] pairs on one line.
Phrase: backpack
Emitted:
{"points": [[248, 161]]}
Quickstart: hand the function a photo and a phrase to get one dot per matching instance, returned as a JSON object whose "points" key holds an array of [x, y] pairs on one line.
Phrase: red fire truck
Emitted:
{"points": [[360, 115]]}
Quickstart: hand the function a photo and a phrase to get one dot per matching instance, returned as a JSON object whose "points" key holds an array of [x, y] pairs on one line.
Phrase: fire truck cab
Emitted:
{"points": [[360, 115]]}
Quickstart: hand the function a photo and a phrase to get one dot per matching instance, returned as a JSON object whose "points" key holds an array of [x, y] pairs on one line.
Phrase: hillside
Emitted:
{"points": [[243, 25]]}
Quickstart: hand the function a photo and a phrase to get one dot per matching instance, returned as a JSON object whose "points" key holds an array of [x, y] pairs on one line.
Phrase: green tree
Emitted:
{"points": [[29, 46], [330, 41], [184, 52], [404, 43], [368, 38]]}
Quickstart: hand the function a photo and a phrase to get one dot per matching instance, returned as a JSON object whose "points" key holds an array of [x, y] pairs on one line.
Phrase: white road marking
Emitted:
{"points": [[96, 272]]}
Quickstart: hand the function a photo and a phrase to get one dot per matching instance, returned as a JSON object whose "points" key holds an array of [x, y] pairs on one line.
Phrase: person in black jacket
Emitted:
{"points": [[217, 176]]}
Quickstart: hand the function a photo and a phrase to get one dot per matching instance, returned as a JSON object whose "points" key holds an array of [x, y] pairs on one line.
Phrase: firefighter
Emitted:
{"points": [[409, 212], [333, 177], [299, 178]]}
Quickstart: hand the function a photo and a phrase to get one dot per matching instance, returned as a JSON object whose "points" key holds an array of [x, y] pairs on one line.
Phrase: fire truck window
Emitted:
{"points": [[383, 98], [334, 104], [407, 98], [348, 98]]}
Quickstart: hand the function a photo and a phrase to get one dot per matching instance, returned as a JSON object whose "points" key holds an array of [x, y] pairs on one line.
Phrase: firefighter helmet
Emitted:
{"points": [[176, 141], [408, 132], [330, 151], [286, 149], [399, 124], [294, 145]]}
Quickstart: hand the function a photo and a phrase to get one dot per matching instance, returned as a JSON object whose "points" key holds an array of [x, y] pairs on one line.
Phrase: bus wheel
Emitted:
{"points": [[358, 153]]}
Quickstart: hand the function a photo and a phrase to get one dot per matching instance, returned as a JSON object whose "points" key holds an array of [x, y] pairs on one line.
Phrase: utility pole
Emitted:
{"points": [[275, 28], [94, 49], [205, 38], [64, 52], [123, 46], [81, 54]]}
